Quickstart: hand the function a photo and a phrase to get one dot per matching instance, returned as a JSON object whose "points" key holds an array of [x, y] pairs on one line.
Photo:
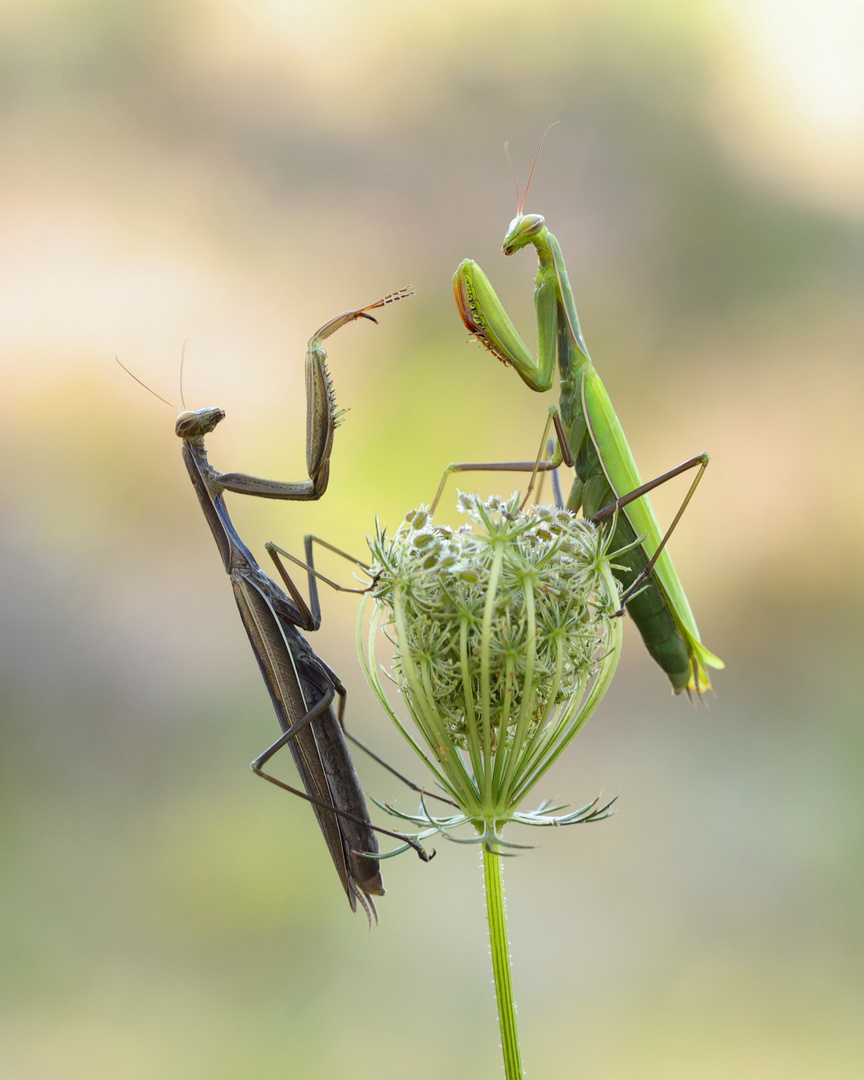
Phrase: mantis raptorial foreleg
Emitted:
{"points": [[322, 417]]}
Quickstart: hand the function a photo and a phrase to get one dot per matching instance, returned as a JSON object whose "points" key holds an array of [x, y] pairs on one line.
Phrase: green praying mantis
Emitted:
{"points": [[598, 450]]}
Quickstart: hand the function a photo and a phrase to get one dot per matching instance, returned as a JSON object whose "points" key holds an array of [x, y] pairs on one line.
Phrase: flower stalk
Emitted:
{"points": [[501, 969]]}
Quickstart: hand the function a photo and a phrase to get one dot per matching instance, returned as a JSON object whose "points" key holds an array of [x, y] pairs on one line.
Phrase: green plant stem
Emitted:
{"points": [[493, 879]]}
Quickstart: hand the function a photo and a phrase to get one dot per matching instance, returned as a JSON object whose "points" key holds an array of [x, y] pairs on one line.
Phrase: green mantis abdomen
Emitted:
{"points": [[649, 609]]}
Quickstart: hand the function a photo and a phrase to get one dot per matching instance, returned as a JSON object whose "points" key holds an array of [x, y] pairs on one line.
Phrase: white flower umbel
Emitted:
{"points": [[505, 639]]}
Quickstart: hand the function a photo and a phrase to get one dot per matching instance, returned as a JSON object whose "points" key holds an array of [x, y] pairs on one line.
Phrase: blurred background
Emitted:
{"points": [[232, 174]]}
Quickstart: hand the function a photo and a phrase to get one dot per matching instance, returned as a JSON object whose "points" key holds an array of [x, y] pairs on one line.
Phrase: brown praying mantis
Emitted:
{"points": [[301, 685]]}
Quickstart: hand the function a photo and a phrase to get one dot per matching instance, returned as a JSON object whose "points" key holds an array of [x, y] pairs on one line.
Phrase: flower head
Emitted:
{"points": [[505, 639]]}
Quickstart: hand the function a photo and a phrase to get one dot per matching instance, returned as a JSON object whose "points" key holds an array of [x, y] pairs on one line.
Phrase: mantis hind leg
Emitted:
{"points": [[319, 709], [700, 460]]}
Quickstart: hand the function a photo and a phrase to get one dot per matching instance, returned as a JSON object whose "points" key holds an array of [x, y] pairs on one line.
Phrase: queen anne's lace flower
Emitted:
{"points": [[499, 627]]}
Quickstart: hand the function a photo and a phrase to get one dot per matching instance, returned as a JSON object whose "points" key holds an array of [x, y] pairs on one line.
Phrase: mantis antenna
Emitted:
{"points": [[182, 362], [521, 205], [148, 389]]}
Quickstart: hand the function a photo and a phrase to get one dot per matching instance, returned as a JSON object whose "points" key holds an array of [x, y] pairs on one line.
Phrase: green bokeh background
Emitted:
{"points": [[235, 173]]}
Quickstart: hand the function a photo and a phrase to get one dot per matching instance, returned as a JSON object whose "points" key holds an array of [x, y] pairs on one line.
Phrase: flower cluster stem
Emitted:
{"points": [[494, 881]]}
